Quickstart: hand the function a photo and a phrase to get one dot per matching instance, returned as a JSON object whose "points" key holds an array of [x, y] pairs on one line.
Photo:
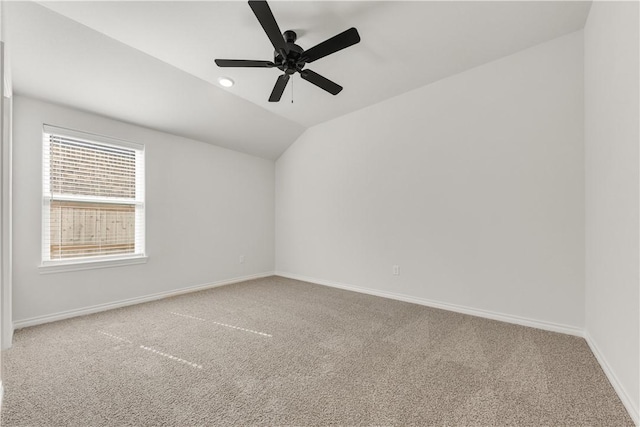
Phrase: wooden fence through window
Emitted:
{"points": [[89, 229]]}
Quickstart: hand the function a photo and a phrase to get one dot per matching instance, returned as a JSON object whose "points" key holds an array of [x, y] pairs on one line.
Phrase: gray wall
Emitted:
{"points": [[205, 207], [473, 185], [612, 192]]}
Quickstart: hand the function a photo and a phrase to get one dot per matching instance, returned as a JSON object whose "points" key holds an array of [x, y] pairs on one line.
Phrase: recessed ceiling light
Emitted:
{"points": [[225, 82]]}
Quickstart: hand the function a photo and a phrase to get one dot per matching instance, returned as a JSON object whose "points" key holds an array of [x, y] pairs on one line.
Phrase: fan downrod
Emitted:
{"points": [[290, 36]]}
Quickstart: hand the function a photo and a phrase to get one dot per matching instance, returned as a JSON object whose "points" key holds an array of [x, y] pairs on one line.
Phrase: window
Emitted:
{"points": [[93, 199]]}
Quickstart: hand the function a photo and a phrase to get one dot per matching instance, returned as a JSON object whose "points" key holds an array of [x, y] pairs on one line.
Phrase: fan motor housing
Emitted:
{"points": [[289, 63]]}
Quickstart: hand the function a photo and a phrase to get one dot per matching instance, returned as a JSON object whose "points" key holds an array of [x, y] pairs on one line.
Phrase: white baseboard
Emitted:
{"points": [[632, 409], [18, 324], [523, 321]]}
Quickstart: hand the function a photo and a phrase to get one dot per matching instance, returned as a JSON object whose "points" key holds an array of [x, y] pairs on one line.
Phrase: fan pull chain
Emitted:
{"points": [[292, 79]]}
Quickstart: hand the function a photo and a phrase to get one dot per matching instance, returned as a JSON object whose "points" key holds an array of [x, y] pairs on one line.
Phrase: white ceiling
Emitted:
{"points": [[151, 63]]}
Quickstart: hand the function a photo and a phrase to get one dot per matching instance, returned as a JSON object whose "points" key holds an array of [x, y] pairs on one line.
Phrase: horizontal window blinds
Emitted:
{"points": [[93, 197]]}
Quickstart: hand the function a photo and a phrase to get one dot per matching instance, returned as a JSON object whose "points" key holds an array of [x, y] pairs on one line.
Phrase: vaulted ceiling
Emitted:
{"points": [[151, 63]]}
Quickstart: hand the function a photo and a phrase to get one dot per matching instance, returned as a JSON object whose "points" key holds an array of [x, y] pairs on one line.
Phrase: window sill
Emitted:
{"points": [[75, 265]]}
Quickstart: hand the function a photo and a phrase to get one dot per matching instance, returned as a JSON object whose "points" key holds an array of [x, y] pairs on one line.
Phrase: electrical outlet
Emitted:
{"points": [[396, 270], [241, 259]]}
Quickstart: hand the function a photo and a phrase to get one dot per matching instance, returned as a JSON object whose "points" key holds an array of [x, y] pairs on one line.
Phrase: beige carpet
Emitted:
{"points": [[281, 352]]}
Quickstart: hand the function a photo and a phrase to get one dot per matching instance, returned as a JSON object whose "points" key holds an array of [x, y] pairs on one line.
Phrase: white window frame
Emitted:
{"points": [[98, 261]]}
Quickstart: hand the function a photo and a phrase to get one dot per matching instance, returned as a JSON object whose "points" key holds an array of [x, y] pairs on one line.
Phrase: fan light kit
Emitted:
{"points": [[289, 57], [225, 81]]}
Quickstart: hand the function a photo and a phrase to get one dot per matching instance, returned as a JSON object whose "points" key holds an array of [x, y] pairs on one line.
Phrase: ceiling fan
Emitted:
{"points": [[291, 58]]}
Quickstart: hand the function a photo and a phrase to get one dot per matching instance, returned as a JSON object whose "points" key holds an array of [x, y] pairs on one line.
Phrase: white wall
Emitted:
{"points": [[205, 206], [612, 192], [473, 185]]}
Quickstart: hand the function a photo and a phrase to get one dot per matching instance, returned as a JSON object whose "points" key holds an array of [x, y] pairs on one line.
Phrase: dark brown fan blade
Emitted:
{"points": [[243, 63], [321, 82], [263, 12], [278, 89], [343, 40]]}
